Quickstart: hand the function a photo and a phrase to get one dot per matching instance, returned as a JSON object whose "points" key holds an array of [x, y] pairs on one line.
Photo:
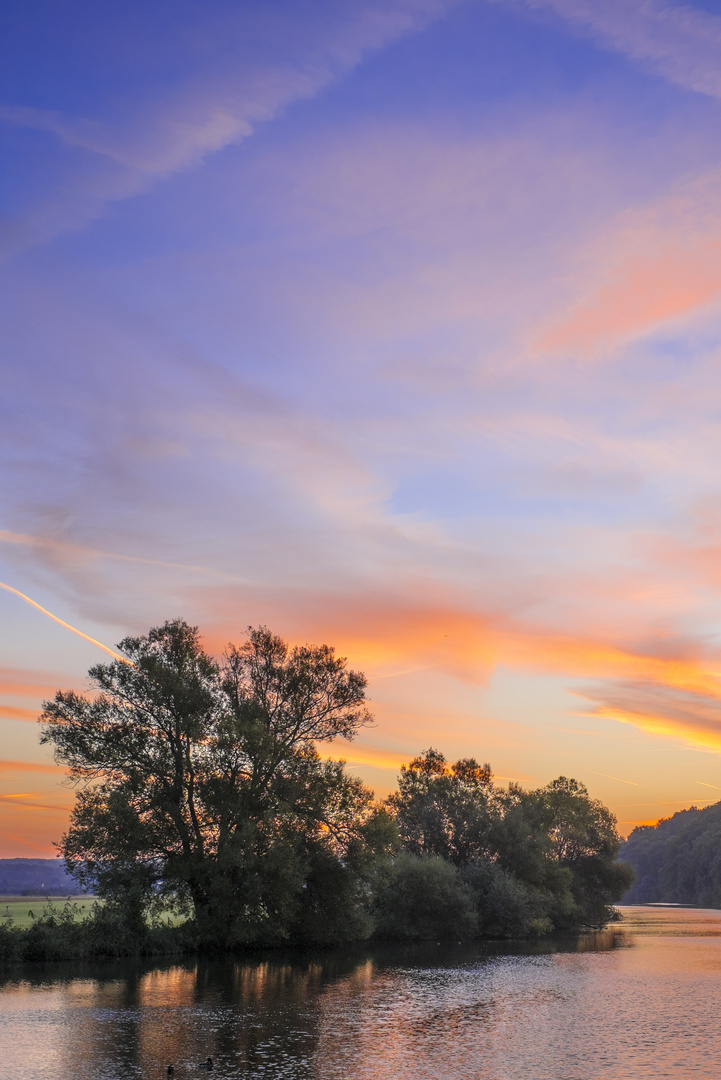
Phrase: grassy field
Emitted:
{"points": [[18, 908]]}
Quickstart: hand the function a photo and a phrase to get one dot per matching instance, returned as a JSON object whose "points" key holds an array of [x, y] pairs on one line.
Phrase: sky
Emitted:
{"points": [[391, 324]]}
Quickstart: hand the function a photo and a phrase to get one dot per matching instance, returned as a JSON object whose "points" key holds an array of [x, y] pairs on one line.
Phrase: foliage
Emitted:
{"points": [[442, 810], [65, 934], [334, 903], [506, 907], [424, 898], [556, 846], [200, 785], [201, 782], [559, 840], [678, 860]]}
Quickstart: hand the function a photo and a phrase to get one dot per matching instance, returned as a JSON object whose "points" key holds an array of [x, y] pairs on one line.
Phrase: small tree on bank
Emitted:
{"points": [[201, 782]]}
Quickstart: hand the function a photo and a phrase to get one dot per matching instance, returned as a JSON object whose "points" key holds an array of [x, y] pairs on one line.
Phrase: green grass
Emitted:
{"points": [[18, 908]]}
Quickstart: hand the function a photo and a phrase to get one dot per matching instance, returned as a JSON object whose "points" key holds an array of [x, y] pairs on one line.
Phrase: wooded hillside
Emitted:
{"points": [[678, 860]]}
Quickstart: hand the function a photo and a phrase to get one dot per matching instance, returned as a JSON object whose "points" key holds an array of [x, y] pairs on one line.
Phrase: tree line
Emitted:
{"points": [[200, 789], [677, 860]]}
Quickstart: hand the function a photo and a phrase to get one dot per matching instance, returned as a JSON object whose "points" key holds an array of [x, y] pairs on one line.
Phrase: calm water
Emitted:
{"points": [[641, 1000]]}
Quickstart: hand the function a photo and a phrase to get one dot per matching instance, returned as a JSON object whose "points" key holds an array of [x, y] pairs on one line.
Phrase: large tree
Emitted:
{"points": [[200, 780]]}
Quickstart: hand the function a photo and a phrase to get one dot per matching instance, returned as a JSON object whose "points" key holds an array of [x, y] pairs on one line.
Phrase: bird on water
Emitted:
{"points": [[206, 1064]]}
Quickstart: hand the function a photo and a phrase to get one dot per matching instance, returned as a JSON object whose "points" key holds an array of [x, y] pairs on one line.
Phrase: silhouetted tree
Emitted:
{"points": [[445, 810], [535, 860], [201, 782]]}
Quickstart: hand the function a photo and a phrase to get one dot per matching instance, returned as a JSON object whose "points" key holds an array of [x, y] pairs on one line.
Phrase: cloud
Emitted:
{"points": [[21, 682], [12, 712], [29, 766], [403, 626], [19, 801], [654, 264], [661, 708], [678, 42], [204, 112], [64, 552], [25, 843]]}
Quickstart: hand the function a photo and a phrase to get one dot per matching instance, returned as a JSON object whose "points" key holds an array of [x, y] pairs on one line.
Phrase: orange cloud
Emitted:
{"points": [[661, 709], [11, 712], [377, 632], [47, 807], [29, 766], [377, 757], [25, 843]]}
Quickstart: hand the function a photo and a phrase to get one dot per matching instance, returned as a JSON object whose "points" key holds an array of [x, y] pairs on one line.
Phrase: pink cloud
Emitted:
{"points": [[657, 263]]}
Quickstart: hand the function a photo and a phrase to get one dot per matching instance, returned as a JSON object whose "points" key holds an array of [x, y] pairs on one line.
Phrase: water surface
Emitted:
{"points": [[642, 999]]}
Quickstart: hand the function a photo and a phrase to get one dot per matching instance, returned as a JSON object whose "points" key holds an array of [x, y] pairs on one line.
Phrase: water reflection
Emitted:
{"points": [[636, 1000]]}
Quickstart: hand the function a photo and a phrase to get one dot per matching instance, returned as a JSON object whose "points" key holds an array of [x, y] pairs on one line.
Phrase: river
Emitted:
{"points": [[642, 999]]}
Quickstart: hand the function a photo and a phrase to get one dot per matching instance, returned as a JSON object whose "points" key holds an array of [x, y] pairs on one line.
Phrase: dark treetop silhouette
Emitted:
{"points": [[200, 785], [200, 782]]}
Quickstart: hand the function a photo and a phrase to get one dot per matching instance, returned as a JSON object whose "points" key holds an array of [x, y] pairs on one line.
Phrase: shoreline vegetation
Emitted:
{"points": [[677, 860], [206, 821]]}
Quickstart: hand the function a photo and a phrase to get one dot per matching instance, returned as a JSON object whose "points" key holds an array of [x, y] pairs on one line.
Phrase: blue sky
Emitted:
{"points": [[389, 325]]}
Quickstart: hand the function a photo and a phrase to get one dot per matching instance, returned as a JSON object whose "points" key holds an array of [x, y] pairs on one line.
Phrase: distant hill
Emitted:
{"points": [[19, 876], [678, 860]]}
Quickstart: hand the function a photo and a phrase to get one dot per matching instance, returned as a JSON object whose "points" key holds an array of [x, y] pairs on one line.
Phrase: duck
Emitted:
{"points": [[206, 1064]]}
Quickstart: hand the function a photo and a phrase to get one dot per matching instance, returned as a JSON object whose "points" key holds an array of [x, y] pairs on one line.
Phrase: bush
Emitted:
{"points": [[423, 897], [506, 907], [107, 932]]}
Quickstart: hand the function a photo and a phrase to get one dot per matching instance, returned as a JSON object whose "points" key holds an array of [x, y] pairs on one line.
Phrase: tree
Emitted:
{"points": [[200, 781], [534, 860], [678, 860], [507, 907], [445, 810], [560, 840]]}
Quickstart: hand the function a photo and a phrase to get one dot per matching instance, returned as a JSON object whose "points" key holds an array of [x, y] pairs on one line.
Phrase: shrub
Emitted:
{"points": [[506, 907], [423, 897]]}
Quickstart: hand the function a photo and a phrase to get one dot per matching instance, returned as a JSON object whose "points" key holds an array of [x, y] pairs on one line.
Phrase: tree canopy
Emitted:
{"points": [[677, 860], [200, 781], [557, 845], [445, 810], [199, 784]]}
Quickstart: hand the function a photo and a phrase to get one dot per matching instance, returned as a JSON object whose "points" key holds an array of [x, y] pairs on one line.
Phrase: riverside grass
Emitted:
{"points": [[65, 929], [21, 911]]}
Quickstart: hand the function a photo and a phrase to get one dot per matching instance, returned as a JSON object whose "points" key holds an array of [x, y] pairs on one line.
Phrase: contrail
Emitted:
{"points": [[92, 640], [619, 778]]}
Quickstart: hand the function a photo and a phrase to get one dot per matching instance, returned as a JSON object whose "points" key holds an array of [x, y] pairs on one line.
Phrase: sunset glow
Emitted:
{"points": [[393, 326]]}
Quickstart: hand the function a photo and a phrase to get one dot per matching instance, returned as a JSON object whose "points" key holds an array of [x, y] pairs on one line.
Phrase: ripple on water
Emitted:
{"points": [[640, 1001]]}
